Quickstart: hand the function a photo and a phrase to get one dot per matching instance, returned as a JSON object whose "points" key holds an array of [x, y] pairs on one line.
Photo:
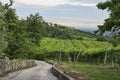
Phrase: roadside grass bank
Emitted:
{"points": [[95, 72], [88, 71]]}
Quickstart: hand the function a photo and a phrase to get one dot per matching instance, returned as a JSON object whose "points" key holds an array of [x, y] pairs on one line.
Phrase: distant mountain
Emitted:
{"points": [[90, 29]]}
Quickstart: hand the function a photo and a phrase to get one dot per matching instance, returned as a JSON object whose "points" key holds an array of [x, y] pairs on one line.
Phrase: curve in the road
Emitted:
{"points": [[40, 72]]}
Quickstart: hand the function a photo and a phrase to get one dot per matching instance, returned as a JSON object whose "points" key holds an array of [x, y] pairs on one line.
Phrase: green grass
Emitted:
{"points": [[95, 72]]}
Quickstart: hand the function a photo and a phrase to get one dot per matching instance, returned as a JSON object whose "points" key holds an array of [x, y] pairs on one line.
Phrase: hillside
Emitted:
{"points": [[67, 46], [64, 32], [88, 48]]}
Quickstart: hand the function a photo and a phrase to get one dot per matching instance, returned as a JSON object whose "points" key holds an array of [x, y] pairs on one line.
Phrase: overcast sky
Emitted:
{"points": [[73, 13]]}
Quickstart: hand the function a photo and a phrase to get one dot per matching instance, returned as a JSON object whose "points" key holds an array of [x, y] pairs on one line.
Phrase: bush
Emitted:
{"points": [[40, 57]]}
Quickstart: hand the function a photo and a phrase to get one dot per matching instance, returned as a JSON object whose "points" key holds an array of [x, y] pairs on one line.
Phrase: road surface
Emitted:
{"points": [[40, 72]]}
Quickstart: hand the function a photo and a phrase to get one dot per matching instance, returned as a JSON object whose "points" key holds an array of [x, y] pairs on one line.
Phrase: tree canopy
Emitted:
{"points": [[19, 37], [3, 43], [112, 23], [35, 27], [3, 28]]}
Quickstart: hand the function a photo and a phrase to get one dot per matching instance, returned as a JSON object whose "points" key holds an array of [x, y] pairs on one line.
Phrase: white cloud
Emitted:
{"points": [[4, 1], [73, 22], [83, 4], [47, 3], [60, 19], [51, 3]]}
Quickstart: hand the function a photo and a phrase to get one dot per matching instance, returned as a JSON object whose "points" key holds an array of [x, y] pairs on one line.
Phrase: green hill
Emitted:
{"points": [[63, 32], [67, 46], [90, 48]]}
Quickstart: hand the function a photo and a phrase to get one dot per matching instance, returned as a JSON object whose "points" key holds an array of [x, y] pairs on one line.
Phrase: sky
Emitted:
{"points": [[82, 14]]}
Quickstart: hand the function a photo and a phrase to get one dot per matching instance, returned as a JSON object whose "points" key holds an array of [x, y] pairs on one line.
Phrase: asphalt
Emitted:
{"points": [[40, 72]]}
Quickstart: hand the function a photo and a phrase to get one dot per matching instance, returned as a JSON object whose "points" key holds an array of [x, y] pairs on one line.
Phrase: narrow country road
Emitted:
{"points": [[40, 72]]}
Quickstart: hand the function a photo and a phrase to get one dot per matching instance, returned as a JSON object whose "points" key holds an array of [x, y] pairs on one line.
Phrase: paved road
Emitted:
{"points": [[40, 72]]}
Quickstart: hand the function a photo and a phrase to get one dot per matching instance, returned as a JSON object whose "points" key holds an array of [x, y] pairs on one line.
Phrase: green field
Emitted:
{"points": [[92, 49], [95, 72], [88, 46]]}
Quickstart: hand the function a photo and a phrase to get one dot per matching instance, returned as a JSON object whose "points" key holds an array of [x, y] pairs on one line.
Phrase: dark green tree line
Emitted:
{"points": [[19, 37]]}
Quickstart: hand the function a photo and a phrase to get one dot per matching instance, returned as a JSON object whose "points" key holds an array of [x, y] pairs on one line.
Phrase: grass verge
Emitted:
{"points": [[95, 72]]}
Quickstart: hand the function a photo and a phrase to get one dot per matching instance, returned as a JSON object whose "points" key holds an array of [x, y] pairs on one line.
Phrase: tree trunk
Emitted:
{"points": [[116, 59], [105, 58], [113, 64], [98, 62], [74, 57], [78, 55], [112, 59], [69, 58], [59, 57]]}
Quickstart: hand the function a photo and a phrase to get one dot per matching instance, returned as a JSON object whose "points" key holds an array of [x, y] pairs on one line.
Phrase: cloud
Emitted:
{"points": [[74, 21], [52, 3], [64, 12], [87, 1], [4, 1]]}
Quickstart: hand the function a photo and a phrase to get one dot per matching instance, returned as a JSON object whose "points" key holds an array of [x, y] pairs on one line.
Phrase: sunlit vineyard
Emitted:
{"points": [[87, 46], [90, 50]]}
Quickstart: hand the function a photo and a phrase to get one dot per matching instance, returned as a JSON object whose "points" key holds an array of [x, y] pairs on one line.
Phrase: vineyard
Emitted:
{"points": [[83, 50], [67, 46]]}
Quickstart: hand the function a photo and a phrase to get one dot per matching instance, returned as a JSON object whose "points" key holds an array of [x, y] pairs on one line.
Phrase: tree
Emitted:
{"points": [[3, 43], [35, 28], [11, 20], [19, 46], [112, 23], [21, 35], [3, 29]]}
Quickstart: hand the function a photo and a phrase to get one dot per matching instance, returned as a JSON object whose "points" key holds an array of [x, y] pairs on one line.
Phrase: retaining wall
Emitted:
{"points": [[7, 66], [59, 74]]}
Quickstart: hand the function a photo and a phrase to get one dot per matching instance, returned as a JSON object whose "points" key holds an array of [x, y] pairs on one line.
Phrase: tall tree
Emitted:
{"points": [[19, 45], [3, 43], [35, 28], [12, 29], [112, 23]]}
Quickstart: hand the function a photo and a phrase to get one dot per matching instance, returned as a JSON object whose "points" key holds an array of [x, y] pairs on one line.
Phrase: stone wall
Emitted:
{"points": [[7, 66], [59, 74]]}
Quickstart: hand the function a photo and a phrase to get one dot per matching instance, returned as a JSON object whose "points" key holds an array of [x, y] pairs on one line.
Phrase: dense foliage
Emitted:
{"points": [[63, 32], [112, 23], [22, 36], [3, 43], [35, 27]]}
